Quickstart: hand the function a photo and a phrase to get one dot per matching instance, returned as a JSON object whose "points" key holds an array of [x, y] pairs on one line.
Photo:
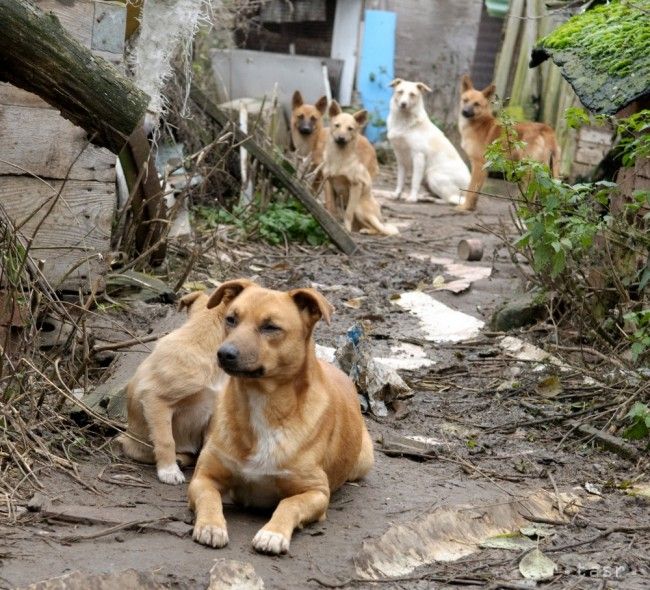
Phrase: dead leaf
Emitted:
{"points": [[594, 489], [439, 281], [536, 566], [354, 303], [537, 530], [194, 286], [549, 387], [509, 542], [641, 489]]}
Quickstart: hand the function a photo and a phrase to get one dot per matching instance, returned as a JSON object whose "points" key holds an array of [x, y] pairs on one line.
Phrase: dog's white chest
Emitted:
{"points": [[255, 478], [269, 445]]}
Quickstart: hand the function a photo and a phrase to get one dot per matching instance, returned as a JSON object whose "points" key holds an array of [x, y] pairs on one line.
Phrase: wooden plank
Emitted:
{"points": [[508, 54], [46, 144], [12, 95], [76, 232], [333, 229], [76, 16], [38, 54]]}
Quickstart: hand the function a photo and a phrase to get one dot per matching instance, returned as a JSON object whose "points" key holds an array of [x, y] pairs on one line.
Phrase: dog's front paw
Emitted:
{"points": [[171, 474], [411, 198], [269, 542], [396, 195], [210, 535], [463, 209]]}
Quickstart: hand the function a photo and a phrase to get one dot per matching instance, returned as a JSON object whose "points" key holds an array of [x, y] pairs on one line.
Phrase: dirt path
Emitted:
{"points": [[459, 402]]}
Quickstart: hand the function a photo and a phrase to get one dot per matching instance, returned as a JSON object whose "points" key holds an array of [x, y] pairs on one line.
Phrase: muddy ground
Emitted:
{"points": [[485, 454]]}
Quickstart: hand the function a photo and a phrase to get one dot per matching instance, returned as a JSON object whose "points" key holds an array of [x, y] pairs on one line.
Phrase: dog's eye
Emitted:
{"points": [[231, 321], [270, 328], [301, 117], [400, 92], [349, 128], [412, 94], [465, 100], [475, 104], [337, 125], [313, 119]]}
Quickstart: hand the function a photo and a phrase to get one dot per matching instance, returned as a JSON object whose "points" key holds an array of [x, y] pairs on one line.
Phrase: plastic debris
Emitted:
{"points": [[378, 383]]}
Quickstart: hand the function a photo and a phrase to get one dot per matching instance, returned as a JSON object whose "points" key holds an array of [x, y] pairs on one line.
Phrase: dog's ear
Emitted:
{"points": [[321, 105], [228, 291], [361, 117], [423, 87], [312, 303], [395, 82], [296, 100], [187, 301], [466, 83], [489, 91], [335, 109]]}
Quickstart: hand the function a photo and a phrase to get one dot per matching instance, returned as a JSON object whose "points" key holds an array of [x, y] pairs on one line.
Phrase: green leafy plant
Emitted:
{"points": [[640, 337], [280, 221], [586, 243], [639, 416]]}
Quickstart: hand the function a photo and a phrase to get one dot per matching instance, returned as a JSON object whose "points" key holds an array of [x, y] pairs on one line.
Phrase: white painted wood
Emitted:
{"points": [[345, 44]]}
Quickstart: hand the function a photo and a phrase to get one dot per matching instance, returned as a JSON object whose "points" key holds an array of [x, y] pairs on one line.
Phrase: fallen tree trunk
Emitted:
{"points": [[37, 54]]}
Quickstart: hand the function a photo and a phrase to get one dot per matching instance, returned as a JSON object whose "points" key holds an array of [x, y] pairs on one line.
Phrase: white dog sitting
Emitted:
{"points": [[420, 147]]}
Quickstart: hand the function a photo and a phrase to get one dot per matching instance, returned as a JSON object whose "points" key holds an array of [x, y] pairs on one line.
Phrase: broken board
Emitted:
{"points": [[47, 160]]}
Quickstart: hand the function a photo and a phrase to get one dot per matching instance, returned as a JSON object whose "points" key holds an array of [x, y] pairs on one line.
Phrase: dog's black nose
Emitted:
{"points": [[340, 140], [403, 105], [304, 130], [228, 355], [468, 113]]}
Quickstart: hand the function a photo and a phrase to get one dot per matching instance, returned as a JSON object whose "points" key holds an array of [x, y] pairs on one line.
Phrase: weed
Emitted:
{"points": [[283, 220], [639, 416], [587, 243]]}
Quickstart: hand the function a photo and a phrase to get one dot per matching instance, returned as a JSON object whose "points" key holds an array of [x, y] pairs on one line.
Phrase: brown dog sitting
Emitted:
{"points": [[288, 430], [308, 133], [348, 183], [479, 128], [172, 393]]}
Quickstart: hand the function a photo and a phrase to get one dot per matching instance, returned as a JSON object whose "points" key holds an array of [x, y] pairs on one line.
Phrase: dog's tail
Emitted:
{"points": [[386, 229], [556, 159]]}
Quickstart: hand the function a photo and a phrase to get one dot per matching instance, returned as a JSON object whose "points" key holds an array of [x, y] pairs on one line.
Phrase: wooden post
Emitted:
{"points": [[37, 54], [333, 229]]}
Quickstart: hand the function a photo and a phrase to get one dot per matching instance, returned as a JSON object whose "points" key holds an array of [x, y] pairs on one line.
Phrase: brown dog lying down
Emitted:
{"points": [[348, 184], [479, 128], [171, 396], [288, 430]]}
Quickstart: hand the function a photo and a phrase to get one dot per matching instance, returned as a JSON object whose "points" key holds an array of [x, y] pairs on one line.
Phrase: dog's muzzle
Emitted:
{"points": [[228, 356], [468, 113], [229, 361], [305, 130], [340, 141], [403, 105]]}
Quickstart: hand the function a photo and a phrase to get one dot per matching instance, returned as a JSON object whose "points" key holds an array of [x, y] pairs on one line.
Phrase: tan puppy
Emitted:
{"points": [[479, 128], [309, 136], [288, 430], [171, 395], [348, 184]]}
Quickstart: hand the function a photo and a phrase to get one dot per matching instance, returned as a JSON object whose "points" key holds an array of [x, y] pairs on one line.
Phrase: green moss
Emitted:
{"points": [[614, 38]]}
